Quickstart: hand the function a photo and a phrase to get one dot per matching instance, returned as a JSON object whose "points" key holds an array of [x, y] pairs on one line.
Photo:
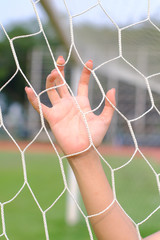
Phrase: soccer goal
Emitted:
{"points": [[123, 40]]}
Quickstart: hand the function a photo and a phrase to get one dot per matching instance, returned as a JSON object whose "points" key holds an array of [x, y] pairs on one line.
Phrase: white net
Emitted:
{"points": [[122, 63]]}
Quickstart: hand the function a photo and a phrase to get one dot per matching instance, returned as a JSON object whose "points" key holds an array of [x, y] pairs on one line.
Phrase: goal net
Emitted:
{"points": [[123, 40]]}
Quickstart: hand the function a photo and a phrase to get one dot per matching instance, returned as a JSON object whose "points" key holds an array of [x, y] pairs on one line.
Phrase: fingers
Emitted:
{"points": [[84, 80], [50, 83], [34, 101], [108, 110], [62, 90], [55, 79]]}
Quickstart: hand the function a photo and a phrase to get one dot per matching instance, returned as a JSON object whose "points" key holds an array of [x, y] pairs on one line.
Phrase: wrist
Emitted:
{"points": [[85, 161]]}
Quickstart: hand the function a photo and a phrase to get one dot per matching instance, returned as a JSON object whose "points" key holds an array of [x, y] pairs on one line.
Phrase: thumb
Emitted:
{"points": [[33, 99]]}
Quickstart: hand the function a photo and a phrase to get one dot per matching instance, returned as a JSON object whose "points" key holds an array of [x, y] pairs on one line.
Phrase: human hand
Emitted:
{"points": [[64, 117]]}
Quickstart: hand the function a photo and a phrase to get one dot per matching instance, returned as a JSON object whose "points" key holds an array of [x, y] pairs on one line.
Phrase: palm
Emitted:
{"points": [[69, 127]]}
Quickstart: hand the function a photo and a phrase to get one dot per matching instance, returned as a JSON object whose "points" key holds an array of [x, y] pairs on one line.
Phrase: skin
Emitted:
{"points": [[65, 118]]}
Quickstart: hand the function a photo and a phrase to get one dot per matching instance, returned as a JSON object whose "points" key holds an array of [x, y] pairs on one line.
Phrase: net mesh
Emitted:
{"points": [[121, 56]]}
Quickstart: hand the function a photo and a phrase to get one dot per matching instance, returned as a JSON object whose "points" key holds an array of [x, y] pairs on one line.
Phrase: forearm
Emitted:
{"points": [[155, 236], [92, 181], [97, 195]]}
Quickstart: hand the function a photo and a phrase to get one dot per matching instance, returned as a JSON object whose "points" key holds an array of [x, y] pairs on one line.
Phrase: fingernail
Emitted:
{"points": [[60, 60], [89, 64], [112, 90], [26, 88]]}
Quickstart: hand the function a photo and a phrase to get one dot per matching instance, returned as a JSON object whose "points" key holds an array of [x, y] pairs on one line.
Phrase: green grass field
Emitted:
{"points": [[136, 190]]}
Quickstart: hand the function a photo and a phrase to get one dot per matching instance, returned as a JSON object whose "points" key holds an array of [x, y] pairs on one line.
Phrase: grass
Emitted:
{"points": [[135, 184]]}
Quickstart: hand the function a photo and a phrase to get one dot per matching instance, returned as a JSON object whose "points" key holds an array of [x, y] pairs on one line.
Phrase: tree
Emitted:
{"points": [[23, 46]]}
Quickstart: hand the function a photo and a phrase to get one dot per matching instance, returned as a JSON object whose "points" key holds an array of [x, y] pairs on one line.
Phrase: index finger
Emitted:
{"points": [[61, 86], [84, 79]]}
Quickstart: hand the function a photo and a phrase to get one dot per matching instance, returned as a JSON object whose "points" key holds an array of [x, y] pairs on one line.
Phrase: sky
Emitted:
{"points": [[122, 11], [12, 11]]}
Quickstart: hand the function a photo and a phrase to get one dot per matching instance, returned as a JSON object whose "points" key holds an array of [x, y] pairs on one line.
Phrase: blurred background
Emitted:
{"points": [[95, 37], [123, 39]]}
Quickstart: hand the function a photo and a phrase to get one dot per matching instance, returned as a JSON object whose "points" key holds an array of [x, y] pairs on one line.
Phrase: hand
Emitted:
{"points": [[65, 119]]}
